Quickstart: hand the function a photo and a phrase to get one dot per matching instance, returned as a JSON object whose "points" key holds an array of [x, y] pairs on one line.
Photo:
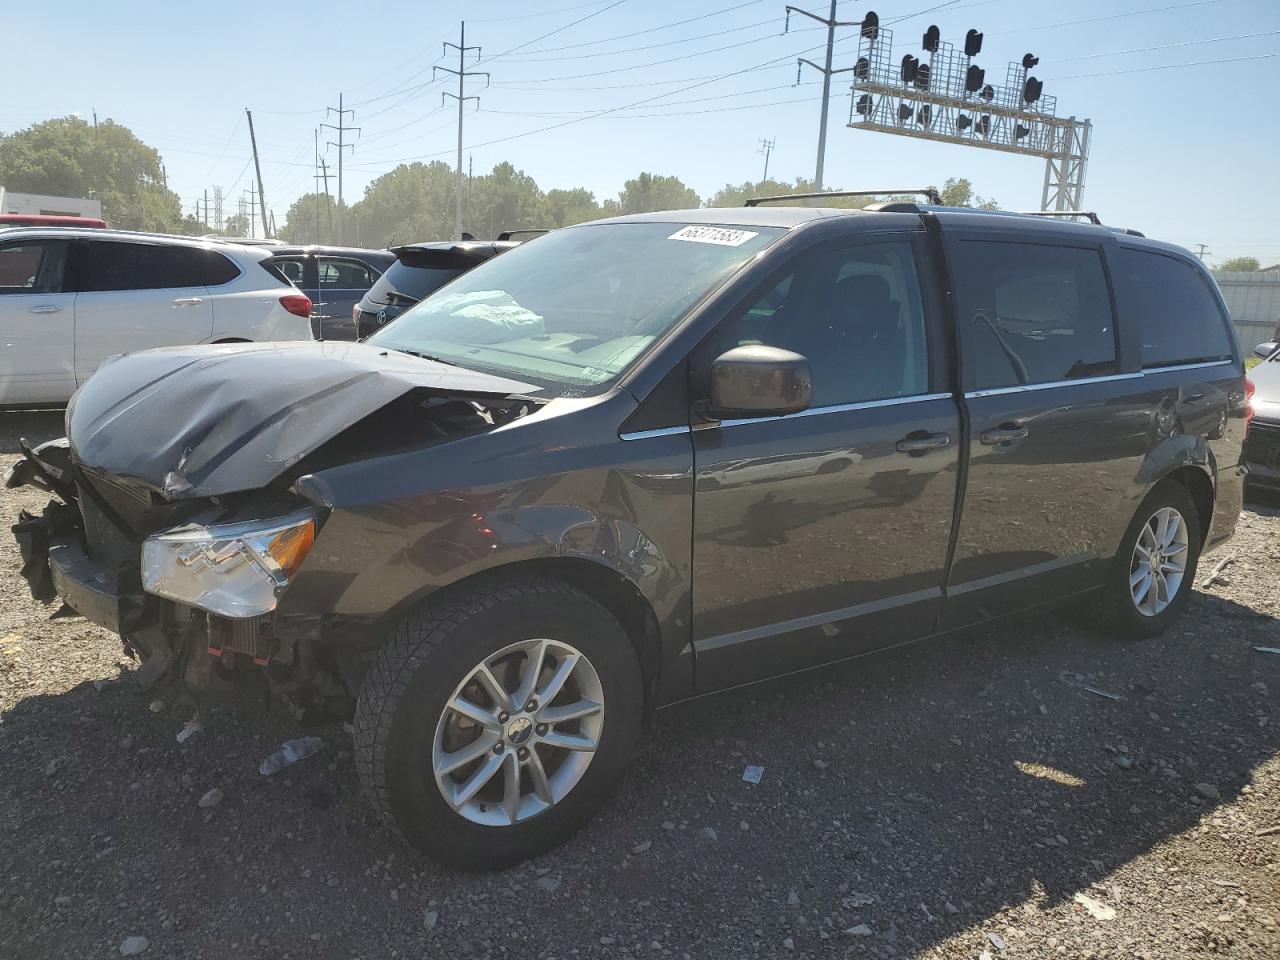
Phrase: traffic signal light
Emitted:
{"points": [[904, 112], [910, 66], [963, 122], [922, 77], [984, 125], [864, 104], [988, 93], [973, 79], [1029, 61], [925, 116], [862, 69], [972, 43], [871, 25], [1032, 89], [1019, 131], [932, 37]]}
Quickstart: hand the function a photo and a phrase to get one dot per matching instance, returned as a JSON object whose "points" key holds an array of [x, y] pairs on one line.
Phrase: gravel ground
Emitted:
{"points": [[960, 798]]}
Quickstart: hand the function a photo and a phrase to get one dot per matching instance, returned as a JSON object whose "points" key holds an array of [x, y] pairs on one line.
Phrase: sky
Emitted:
{"points": [[1185, 146]]}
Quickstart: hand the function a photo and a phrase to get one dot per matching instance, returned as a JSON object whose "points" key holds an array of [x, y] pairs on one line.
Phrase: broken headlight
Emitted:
{"points": [[233, 569]]}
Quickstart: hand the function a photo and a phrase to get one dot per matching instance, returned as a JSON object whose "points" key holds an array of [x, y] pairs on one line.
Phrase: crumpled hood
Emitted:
{"points": [[203, 421]]}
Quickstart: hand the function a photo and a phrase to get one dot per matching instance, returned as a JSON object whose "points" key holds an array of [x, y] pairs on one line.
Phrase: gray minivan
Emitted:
{"points": [[646, 458]]}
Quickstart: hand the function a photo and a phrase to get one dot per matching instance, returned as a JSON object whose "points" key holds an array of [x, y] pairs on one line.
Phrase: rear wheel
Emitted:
{"points": [[494, 724], [1153, 572]]}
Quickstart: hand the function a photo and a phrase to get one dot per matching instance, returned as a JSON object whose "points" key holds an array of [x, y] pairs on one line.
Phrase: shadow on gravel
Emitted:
{"points": [[965, 775], [36, 426]]}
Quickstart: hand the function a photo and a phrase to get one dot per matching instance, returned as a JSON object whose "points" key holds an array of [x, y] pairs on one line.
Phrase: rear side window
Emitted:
{"points": [[1176, 312], [218, 269], [1032, 313], [143, 266], [35, 266], [290, 269], [343, 274], [409, 283]]}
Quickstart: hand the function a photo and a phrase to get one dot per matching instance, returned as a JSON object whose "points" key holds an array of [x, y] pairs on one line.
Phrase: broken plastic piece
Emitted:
{"points": [[290, 752], [190, 729], [753, 774]]}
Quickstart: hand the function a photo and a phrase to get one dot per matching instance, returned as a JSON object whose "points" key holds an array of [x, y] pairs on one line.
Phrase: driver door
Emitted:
{"points": [[824, 533]]}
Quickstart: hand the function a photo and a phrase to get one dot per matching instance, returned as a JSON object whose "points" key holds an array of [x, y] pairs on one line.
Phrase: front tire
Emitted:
{"points": [[1153, 572], [495, 722]]}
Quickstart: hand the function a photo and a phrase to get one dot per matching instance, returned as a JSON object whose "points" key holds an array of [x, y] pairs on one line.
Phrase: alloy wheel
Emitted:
{"points": [[519, 732], [1159, 562]]}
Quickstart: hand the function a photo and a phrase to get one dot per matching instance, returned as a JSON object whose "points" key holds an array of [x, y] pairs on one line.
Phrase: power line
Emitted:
{"points": [[552, 33], [1167, 46], [530, 16], [1169, 66], [649, 46]]}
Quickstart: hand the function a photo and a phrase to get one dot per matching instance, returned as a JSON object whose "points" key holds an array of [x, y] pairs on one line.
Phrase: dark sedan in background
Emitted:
{"points": [[335, 278]]}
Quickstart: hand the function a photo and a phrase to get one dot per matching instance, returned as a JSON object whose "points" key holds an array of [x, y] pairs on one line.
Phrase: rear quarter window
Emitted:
{"points": [[1177, 314]]}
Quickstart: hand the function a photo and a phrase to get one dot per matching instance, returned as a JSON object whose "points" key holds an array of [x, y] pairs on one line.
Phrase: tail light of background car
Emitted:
{"points": [[1248, 403], [298, 304]]}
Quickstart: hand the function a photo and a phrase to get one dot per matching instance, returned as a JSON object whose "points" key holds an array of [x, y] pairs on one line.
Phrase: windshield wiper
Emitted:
{"points": [[423, 356]]}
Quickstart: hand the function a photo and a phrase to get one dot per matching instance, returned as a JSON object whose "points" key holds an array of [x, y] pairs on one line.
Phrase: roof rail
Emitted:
{"points": [[536, 231], [1087, 214], [928, 193]]}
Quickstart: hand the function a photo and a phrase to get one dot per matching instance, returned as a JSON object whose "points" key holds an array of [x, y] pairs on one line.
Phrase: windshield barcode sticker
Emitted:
{"points": [[717, 235]]}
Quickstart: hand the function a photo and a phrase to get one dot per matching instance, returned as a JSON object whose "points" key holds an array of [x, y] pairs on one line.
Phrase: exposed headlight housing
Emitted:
{"points": [[234, 569]]}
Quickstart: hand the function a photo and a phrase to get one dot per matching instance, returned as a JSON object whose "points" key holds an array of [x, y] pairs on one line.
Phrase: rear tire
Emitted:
{"points": [[1154, 570], [410, 732]]}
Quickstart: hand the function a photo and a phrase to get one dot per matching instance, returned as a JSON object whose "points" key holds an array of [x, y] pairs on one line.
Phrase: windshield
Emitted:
{"points": [[574, 308]]}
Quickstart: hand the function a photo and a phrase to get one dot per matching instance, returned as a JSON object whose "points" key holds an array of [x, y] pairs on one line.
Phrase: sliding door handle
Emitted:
{"points": [[1005, 433]]}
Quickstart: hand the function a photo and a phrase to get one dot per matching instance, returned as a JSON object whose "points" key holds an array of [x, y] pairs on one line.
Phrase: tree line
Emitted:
{"points": [[68, 156]]}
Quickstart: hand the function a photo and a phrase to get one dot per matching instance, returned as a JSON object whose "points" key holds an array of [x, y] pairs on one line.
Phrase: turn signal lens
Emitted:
{"points": [[289, 547]]}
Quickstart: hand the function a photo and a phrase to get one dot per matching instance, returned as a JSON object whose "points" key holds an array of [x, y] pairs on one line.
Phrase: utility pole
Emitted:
{"points": [[257, 167], [317, 179], [461, 73], [328, 201], [1203, 251], [205, 219], [766, 147], [341, 129], [830, 23]]}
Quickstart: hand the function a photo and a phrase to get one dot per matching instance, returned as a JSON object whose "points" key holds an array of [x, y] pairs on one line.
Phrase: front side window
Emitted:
{"points": [[572, 309], [854, 313], [1175, 310], [32, 266], [1032, 313], [143, 266]]}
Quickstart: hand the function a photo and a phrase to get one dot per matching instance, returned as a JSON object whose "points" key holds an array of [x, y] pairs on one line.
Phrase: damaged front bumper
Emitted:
{"points": [[74, 553]]}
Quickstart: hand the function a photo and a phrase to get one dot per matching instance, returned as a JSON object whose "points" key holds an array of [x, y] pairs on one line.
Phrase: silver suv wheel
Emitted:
{"points": [[519, 732], [1159, 562]]}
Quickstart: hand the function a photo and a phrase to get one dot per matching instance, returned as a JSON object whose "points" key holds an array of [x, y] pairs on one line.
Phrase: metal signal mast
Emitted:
{"points": [[943, 95]]}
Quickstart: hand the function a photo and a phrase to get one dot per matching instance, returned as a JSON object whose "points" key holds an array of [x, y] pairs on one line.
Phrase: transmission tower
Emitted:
{"points": [[461, 73], [218, 222], [341, 130]]}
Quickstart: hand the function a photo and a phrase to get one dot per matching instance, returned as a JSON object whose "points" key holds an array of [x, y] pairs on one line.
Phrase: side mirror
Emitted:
{"points": [[1265, 350], [759, 381]]}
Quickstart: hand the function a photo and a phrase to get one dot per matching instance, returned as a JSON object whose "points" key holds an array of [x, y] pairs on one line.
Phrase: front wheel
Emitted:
{"points": [[1153, 572], [493, 724]]}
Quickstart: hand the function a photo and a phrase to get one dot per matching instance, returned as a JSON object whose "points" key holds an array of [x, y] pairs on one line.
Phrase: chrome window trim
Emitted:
{"points": [[660, 432], [1200, 365], [841, 408], [1049, 385]]}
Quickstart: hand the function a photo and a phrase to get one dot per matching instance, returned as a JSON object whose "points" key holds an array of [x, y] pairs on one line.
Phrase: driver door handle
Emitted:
{"points": [[45, 308], [920, 442], [187, 301], [1005, 433]]}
